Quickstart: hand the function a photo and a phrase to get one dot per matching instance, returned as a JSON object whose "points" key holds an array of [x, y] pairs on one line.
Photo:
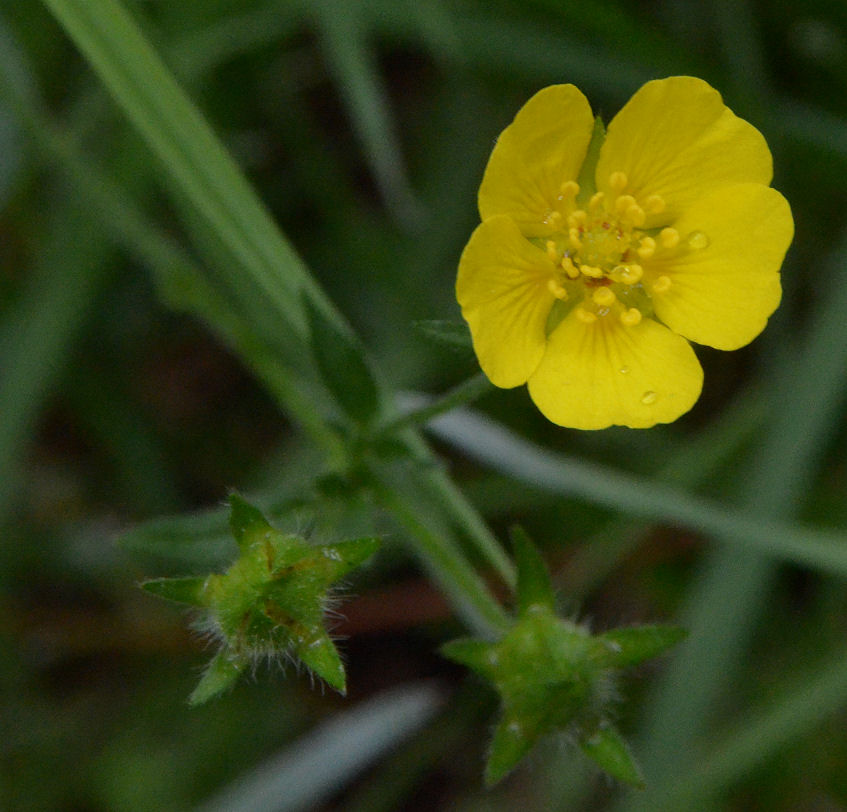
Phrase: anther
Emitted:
{"points": [[557, 290], [552, 251], [553, 219], [635, 215], [577, 218], [631, 317], [604, 297], [570, 188], [585, 316], [662, 285], [596, 201], [669, 237], [623, 203], [631, 274], [618, 181], [573, 234], [654, 204], [570, 269], [592, 271], [646, 247]]}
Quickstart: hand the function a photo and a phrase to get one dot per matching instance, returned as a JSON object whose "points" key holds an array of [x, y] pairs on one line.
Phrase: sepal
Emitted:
{"points": [[270, 603]]}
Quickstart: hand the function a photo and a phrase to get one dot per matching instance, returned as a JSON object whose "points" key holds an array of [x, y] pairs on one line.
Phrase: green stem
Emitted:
{"points": [[466, 392], [472, 599]]}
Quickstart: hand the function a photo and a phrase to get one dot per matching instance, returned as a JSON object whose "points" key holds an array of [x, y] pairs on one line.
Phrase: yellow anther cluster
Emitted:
{"points": [[598, 247]]}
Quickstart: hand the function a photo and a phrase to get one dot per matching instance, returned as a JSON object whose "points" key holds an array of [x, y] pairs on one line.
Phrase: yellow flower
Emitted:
{"points": [[600, 256]]}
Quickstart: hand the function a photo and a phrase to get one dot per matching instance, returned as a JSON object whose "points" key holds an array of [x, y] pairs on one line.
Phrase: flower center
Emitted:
{"points": [[599, 249]]}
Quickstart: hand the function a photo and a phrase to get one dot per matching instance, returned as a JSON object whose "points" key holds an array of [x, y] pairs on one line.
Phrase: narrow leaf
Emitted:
{"points": [[453, 335], [341, 361]]}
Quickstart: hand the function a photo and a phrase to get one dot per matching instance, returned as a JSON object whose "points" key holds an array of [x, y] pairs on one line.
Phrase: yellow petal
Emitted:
{"points": [[540, 150], [675, 138], [503, 289], [722, 295], [604, 373]]}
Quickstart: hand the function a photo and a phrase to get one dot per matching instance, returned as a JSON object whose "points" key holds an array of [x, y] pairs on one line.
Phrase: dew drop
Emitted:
{"points": [[648, 397], [698, 240], [624, 370]]}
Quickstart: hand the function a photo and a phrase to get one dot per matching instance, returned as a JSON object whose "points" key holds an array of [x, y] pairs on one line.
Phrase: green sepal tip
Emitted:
{"points": [[221, 674], [245, 521], [182, 590], [534, 587], [621, 648], [607, 748]]}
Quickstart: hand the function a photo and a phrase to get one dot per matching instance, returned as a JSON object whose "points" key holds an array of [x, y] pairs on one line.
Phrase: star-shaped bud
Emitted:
{"points": [[553, 675], [270, 603]]}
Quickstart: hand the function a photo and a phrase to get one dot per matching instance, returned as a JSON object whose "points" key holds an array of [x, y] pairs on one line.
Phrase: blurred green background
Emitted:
{"points": [[365, 127]]}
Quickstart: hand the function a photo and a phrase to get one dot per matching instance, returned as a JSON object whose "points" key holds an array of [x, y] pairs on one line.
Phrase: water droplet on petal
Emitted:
{"points": [[698, 240], [648, 397], [624, 370]]}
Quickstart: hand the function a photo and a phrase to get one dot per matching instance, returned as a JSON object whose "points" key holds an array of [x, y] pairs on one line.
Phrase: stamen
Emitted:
{"points": [[662, 285], [570, 269], [635, 215], [618, 181], [596, 201], [669, 237], [585, 316], [576, 242], [604, 297], [631, 317], [552, 251], [557, 290], [646, 247], [554, 218], [655, 204], [577, 218], [592, 271], [623, 203], [630, 274], [570, 188]]}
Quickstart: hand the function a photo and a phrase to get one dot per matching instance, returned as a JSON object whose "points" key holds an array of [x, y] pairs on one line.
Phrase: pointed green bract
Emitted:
{"points": [[182, 590], [586, 180], [509, 745], [625, 647], [553, 676], [270, 602], [478, 655], [321, 656], [534, 588], [245, 520], [220, 674], [608, 749]]}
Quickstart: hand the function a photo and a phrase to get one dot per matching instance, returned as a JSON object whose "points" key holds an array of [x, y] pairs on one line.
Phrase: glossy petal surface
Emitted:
{"points": [[723, 294], [542, 148], [502, 288], [603, 374], [676, 138]]}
